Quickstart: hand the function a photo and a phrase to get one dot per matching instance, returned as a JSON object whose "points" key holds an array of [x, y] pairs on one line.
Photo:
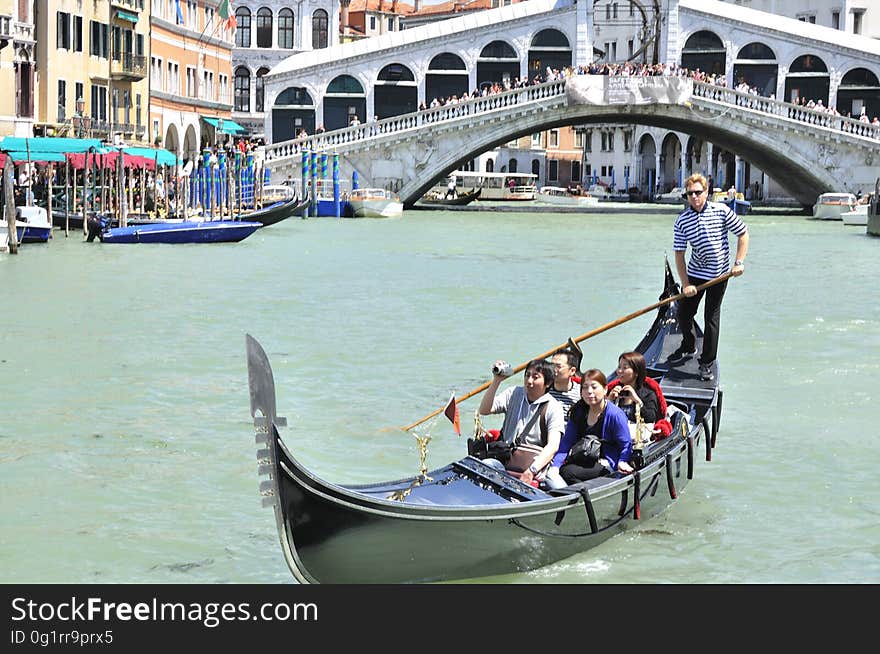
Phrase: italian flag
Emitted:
{"points": [[227, 14]]}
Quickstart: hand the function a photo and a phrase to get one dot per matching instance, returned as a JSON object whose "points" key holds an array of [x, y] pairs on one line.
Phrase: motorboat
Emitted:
{"points": [[564, 197], [674, 196], [858, 216], [733, 199], [831, 206], [603, 193], [273, 193], [32, 224], [375, 203]]}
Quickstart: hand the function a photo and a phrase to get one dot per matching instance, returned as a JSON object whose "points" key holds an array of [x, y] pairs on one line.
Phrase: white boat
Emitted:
{"points": [[494, 186], [374, 203], [273, 193], [31, 225], [604, 194], [858, 216], [830, 206], [564, 197], [674, 196]]}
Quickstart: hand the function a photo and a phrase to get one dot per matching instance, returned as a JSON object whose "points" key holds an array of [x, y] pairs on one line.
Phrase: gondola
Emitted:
{"points": [[459, 200], [465, 519]]}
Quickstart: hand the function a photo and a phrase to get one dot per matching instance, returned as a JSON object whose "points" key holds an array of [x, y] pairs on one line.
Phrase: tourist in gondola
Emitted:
{"points": [[704, 225], [525, 418], [634, 388], [594, 416], [566, 388]]}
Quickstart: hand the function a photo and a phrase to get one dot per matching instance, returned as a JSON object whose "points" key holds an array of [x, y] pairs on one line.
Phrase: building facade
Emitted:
{"points": [[91, 63], [17, 70], [267, 32], [190, 76]]}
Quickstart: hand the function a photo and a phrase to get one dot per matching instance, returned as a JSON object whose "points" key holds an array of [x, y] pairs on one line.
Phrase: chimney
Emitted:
{"points": [[394, 6], [343, 15], [418, 6]]}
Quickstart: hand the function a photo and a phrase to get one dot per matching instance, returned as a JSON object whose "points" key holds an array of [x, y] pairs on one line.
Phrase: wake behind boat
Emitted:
{"points": [[184, 231], [466, 519]]}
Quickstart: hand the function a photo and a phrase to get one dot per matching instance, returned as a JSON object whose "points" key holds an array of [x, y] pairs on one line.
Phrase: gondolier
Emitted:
{"points": [[704, 225], [450, 187]]}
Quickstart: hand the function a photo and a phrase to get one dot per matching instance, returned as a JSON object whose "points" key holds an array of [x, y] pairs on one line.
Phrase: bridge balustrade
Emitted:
{"points": [[553, 89], [405, 122], [786, 110]]}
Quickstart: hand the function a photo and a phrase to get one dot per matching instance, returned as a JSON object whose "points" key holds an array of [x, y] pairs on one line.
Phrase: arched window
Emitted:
{"points": [[756, 50], [242, 89], [264, 28], [345, 84], [260, 92], [243, 29], [550, 38], [808, 64], [285, 29], [498, 50], [319, 29], [513, 166]]}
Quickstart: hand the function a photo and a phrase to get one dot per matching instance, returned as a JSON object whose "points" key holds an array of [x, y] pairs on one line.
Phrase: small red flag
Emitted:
{"points": [[451, 412]]}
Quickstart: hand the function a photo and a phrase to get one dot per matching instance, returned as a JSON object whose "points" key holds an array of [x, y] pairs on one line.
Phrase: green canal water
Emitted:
{"points": [[127, 451]]}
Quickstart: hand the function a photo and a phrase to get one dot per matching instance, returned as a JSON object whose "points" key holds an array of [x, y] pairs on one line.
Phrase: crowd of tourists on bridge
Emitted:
{"points": [[627, 69]]}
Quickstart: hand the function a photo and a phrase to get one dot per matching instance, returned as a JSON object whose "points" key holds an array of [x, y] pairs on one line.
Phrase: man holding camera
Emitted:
{"points": [[526, 420]]}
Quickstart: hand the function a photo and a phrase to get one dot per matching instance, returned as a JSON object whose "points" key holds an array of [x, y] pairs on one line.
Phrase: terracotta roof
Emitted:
{"points": [[380, 5], [454, 7]]}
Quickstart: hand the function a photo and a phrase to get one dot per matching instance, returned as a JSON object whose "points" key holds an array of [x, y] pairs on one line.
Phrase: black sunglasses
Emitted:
{"points": [[692, 193]]}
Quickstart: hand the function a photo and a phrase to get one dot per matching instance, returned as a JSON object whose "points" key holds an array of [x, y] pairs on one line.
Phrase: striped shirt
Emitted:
{"points": [[567, 398], [707, 233]]}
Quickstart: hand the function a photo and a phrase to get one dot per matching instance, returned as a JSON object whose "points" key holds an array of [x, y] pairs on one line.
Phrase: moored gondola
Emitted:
{"points": [[465, 519]]}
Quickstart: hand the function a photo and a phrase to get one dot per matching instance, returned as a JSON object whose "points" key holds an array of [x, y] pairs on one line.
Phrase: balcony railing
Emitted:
{"points": [[23, 31], [130, 66]]}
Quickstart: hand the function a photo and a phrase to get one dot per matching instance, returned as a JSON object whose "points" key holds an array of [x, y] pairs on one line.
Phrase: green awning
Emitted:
{"points": [[229, 125], [124, 15], [45, 148]]}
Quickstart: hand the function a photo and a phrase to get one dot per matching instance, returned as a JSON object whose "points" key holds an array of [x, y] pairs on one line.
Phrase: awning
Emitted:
{"points": [[160, 156], [229, 125], [43, 149], [124, 15]]}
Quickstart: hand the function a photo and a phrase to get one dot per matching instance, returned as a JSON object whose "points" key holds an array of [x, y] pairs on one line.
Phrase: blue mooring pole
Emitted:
{"points": [[305, 182], [354, 180], [314, 176], [336, 204]]}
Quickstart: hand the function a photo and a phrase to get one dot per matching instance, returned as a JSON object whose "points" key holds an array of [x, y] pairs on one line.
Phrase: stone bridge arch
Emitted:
{"points": [[429, 157]]}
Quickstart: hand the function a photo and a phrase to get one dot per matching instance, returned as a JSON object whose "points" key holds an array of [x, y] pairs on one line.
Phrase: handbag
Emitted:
{"points": [[516, 456], [585, 452]]}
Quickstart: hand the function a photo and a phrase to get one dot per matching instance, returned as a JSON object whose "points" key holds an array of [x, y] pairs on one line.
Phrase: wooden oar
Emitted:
{"points": [[582, 337]]}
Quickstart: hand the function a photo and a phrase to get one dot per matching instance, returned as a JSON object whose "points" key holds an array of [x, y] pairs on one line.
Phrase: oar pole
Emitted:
{"points": [[582, 337]]}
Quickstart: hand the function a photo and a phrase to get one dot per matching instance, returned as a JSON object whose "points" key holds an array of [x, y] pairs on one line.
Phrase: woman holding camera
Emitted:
{"points": [[594, 416]]}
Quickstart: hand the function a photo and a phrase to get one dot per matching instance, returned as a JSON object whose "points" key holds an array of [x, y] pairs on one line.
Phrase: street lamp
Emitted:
{"points": [[81, 119]]}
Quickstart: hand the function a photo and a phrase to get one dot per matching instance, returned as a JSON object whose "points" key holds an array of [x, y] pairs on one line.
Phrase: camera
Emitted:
{"points": [[502, 368]]}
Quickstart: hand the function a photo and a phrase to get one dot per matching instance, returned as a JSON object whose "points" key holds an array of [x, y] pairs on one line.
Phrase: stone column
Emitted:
{"points": [[583, 51], [738, 180], [669, 50], [683, 174], [657, 171]]}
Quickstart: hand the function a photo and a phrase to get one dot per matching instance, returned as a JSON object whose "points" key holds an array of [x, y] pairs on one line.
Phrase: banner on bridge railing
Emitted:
{"points": [[611, 89]]}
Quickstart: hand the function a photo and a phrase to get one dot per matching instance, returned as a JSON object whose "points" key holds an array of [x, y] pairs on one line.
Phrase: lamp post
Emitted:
{"points": [[81, 128]]}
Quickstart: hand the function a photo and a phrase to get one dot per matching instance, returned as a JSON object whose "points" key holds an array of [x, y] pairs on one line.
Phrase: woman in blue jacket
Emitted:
{"points": [[594, 415]]}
